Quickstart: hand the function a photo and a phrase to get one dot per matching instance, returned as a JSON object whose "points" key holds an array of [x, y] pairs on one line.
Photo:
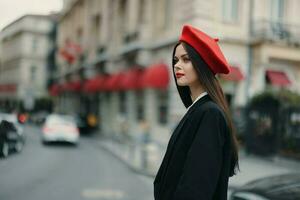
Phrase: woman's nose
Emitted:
{"points": [[177, 67]]}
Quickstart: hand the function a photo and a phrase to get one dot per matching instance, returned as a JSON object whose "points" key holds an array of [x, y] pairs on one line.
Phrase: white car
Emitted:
{"points": [[60, 128]]}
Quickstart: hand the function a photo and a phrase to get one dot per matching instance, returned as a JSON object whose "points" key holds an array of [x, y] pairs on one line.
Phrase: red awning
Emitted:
{"points": [[74, 86], [89, 85], [8, 88], [113, 82], [156, 76], [278, 78], [54, 90], [235, 74], [132, 79], [94, 85]]}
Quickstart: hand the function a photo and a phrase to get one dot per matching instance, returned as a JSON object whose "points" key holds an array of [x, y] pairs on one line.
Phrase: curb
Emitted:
{"points": [[137, 169]]}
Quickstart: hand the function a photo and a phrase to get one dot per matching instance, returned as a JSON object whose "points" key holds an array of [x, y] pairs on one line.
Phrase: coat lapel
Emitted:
{"points": [[174, 137], [177, 131]]}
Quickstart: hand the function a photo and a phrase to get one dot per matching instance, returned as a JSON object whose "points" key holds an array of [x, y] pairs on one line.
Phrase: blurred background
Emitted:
{"points": [[96, 75]]}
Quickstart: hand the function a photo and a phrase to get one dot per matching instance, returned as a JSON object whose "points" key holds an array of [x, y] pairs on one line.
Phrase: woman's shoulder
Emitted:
{"points": [[209, 108]]}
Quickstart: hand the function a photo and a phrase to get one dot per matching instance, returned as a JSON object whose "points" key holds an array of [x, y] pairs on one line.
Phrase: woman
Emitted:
{"points": [[202, 153]]}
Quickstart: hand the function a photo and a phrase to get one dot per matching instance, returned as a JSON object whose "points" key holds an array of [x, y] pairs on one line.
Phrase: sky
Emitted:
{"points": [[11, 10]]}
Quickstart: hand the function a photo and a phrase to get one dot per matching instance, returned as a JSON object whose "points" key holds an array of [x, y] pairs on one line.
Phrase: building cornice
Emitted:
{"points": [[71, 70], [162, 43], [22, 57], [64, 13], [49, 17], [20, 31], [280, 43]]}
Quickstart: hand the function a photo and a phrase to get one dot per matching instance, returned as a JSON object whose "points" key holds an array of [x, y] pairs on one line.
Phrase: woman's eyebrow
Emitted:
{"points": [[181, 55], [184, 55]]}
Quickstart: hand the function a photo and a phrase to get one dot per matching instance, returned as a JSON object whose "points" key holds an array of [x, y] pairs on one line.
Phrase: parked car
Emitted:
{"points": [[81, 123], [279, 187], [11, 136], [39, 117], [60, 128], [86, 123], [13, 118]]}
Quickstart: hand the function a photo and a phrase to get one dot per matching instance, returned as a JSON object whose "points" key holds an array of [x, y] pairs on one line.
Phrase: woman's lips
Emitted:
{"points": [[178, 75]]}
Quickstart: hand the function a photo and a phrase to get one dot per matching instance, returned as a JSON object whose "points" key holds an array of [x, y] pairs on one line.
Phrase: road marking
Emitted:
{"points": [[108, 194]]}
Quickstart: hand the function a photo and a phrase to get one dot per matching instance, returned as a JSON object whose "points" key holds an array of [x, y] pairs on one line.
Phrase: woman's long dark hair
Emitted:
{"points": [[212, 86]]}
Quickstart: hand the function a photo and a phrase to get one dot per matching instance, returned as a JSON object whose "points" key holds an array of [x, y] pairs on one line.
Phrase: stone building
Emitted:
{"points": [[25, 46], [115, 56]]}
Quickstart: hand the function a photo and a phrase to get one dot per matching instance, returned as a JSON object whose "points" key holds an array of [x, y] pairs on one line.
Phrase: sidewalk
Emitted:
{"points": [[134, 155], [251, 166]]}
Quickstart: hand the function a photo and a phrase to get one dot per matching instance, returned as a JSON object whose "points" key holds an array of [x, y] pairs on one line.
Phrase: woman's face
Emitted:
{"points": [[183, 68]]}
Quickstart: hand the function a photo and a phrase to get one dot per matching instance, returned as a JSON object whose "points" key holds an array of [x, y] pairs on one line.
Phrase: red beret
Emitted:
{"points": [[207, 48]]}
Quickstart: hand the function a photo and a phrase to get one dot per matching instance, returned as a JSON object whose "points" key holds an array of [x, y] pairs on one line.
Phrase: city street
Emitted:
{"points": [[86, 171], [139, 76]]}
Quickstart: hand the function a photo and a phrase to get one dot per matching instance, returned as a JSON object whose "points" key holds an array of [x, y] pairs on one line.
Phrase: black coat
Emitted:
{"points": [[197, 161]]}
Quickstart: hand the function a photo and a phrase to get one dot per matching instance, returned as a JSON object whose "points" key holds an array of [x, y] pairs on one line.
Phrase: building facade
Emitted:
{"points": [[107, 40], [25, 46], [275, 46]]}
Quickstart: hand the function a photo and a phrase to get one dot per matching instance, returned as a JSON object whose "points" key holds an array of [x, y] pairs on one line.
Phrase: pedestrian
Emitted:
{"points": [[202, 152]]}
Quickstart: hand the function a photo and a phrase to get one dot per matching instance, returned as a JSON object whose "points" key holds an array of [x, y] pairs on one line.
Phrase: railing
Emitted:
{"points": [[131, 43], [274, 30], [132, 37]]}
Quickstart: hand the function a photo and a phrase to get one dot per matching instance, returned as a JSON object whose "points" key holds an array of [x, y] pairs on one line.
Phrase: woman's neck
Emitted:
{"points": [[196, 91]]}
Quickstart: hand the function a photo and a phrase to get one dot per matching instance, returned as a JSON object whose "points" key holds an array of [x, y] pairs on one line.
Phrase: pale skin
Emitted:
{"points": [[187, 74]]}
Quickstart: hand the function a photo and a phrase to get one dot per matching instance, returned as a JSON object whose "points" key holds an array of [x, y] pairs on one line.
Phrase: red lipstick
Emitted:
{"points": [[178, 75]]}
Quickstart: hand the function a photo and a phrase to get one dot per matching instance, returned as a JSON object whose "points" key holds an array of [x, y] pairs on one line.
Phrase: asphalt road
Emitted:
{"points": [[65, 172]]}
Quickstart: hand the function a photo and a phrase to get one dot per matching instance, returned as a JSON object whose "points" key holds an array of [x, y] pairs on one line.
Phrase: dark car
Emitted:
{"points": [[81, 123], [39, 117], [10, 138], [279, 187], [86, 123]]}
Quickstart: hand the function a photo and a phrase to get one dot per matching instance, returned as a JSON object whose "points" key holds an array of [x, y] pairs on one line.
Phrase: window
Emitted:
{"points": [[277, 8], [140, 105], [230, 10], [278, 28], [162, 106], [122, 102], [142, 14], [32, 73], [162, 14], [79, 34], [108, 96], [168, 13], [123, 15], [122, 19], [34, 44], [96, 21]]}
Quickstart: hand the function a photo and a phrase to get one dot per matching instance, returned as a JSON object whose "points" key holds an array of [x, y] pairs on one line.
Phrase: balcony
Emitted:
{"points": [[276, 31], [101, 54], [131, 43]]}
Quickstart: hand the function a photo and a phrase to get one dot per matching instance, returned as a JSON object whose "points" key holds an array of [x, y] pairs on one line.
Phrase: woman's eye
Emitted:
{"points": [[186, 59], [175, 60]]}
